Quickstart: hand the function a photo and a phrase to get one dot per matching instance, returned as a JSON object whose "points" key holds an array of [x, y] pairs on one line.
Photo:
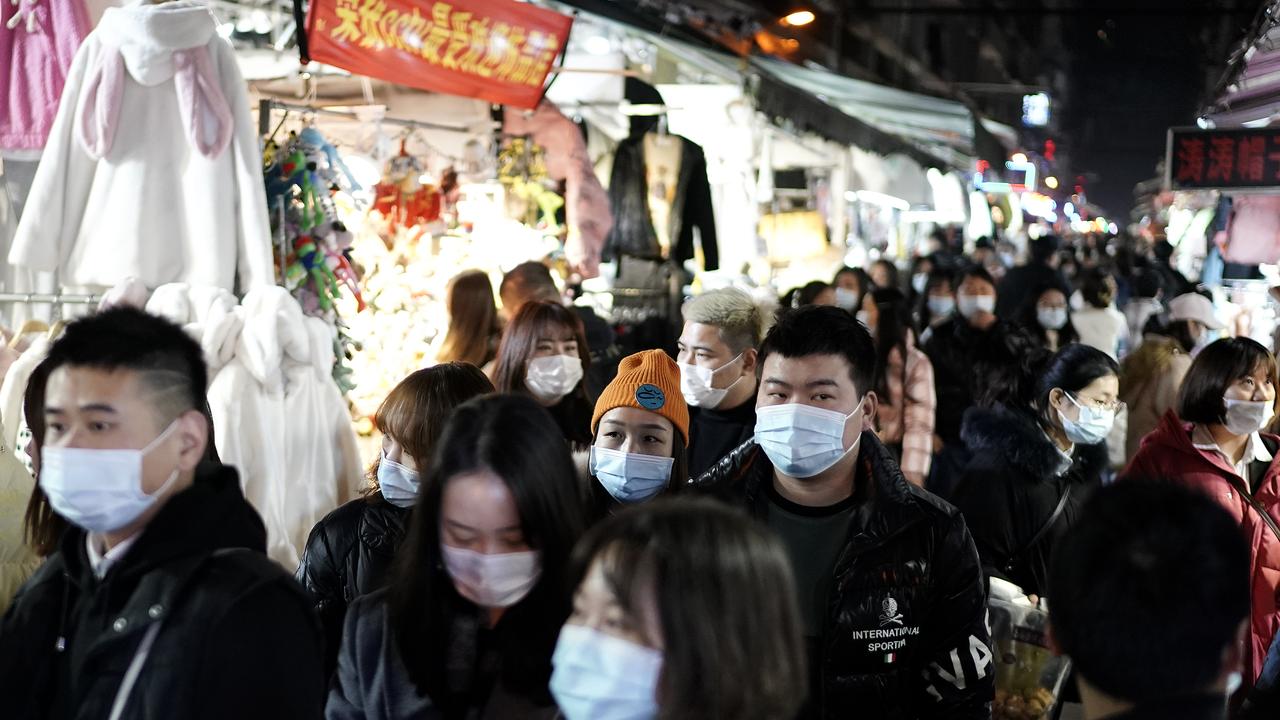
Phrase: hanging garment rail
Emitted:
{"points": [[51, 298], [266, 105]]}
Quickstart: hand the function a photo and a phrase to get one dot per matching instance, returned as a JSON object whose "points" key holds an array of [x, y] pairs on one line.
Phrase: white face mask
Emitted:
{"points": [[630, 477], [398, 483], [802, 441], [600, 677], [696, 385], [1093, 426], [941, 305], [846, 299], [971, 305], [100, 490], [919, 281], [1052, 318], [1246, 417], [492, 581], [551, 378]]}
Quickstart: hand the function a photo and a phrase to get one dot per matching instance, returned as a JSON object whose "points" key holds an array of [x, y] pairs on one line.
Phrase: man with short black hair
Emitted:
{"points": [[160, 602], [1150, 593], [890, 586]]}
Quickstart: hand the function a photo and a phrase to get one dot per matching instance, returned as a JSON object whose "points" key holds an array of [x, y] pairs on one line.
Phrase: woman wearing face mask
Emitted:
{"points": [[641, 424], [1048, 318], [684, 610], [937, 305], [884, 274], [903, 382], [1100, 324], [1217, 442], [349, 552], [544, 355], [921, 268], [850, 284], [1027, 479], [468, 623]]}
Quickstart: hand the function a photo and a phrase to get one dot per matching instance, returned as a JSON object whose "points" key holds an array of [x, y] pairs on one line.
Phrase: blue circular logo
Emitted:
{"points": [[650, 397]]}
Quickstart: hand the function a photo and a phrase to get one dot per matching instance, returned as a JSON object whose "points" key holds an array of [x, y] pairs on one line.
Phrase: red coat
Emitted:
{"points": [[1167, 454]]}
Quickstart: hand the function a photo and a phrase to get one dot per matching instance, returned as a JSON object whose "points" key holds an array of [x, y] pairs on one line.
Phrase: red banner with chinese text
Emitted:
{"points": [[496, 50], [1230, 158]]}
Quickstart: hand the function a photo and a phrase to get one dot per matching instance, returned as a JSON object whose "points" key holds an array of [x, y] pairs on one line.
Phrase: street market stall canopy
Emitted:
{"points": [[1250, 90]]}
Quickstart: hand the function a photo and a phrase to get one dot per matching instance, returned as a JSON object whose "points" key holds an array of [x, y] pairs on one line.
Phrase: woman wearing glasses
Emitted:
{"points": [[1028, 474]]}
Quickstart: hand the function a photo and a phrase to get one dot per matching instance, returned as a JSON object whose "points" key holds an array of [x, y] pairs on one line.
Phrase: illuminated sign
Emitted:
{"points": [[1227, 159], [1027, 170], [1035, 110]]}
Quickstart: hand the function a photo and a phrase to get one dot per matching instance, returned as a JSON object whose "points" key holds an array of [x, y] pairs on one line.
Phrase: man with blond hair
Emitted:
{"points": [[722, 331]]}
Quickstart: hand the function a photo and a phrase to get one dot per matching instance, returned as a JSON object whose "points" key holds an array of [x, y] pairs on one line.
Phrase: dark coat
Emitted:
{"points": [[349, 554], [1020, 283], [238, 637], [1010, 489], [950, 349], [714, 434], [633, 234], [906, 631]]}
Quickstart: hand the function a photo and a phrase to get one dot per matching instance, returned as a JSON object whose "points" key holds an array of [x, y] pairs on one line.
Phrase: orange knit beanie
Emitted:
{"points": [[648, 380]]}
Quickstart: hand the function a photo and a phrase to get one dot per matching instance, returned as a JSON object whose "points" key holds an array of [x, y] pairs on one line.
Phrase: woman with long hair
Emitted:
{"points": [[1217, 442], [544, 355], [350, 551], [480, 587], [1047, 316], [903, 383], [474, 328], [684, 610]]}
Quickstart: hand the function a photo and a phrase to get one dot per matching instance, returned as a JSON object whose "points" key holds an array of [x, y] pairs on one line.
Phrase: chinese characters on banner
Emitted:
{"points": [[1212, 159], [496, 50]]}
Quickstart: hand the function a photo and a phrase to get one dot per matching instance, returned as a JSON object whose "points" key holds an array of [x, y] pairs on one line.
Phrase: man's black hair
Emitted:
{"points": [[1149, 588], [823, 330], [1044, 247], [169, 363]]}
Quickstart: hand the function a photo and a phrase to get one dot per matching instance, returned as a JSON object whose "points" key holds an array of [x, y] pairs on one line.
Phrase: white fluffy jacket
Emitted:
{"points": [[153, 167], [281, 420]]}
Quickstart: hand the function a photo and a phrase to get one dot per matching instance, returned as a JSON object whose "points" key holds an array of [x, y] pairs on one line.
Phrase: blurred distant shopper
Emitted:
{"points": [[1099, 323], [1172, 282], [1040, 271], [1048, 318], [851, 284], [813, 293], [1151, 603], [918, 282], [938, 303], [717, 357], [1151, 377], [544, 355], [1193, 320], [1025, 483], [884, 273], [683, 610], [884, 639], [1145, 303], [641, 427], [349, 553], [903, 382], [474, 329], [1215, 443]]}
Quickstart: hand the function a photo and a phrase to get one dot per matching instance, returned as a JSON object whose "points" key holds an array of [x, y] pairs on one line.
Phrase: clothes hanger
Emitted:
{"points": [[28, 327]]}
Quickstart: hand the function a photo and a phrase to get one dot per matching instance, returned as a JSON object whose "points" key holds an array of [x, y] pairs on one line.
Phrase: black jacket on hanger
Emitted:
{"points": [[633, 234]]}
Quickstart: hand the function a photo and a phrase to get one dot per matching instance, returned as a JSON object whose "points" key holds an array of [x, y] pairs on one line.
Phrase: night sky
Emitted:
{"points": [[1135, 73]]}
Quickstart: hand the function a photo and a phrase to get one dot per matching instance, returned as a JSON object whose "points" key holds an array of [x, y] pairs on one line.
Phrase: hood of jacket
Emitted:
{"points": [[148, 35], [1013, 436]]}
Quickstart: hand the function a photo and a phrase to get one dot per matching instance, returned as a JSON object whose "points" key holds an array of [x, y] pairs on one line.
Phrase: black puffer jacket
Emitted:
{"points": [[906, 634], [237, 637], [1010, 489], [349, 554]]}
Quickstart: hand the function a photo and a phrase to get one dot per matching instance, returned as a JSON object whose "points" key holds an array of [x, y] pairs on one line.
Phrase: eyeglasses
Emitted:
{"points": [[1116, 406]]}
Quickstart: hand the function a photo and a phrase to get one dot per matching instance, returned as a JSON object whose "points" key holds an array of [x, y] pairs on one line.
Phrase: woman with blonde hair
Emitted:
{"points": [[473, 320]]}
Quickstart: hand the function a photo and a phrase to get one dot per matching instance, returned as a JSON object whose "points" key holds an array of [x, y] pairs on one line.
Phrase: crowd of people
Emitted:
{"points": [[791, 514]]}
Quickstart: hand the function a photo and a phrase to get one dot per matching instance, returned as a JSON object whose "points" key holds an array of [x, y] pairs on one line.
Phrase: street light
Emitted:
{"points": [[1051, 182], [799, 18]]}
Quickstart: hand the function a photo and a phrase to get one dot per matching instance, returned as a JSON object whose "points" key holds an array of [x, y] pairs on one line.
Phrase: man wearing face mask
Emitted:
{"points": [[717, 357], [891, 591], [160, 601]]}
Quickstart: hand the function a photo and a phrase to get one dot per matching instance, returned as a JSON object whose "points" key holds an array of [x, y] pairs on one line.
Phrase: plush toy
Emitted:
{"points": [[311, 263]]}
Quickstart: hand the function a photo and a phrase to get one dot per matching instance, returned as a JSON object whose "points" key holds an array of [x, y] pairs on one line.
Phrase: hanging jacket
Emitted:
{"points": [[1253, 231], [153, 168], [633, 234], [237, 638], [1010, 489], [349, 554], [1167, 454], [906, 633], [34, 57], [17, 561]]}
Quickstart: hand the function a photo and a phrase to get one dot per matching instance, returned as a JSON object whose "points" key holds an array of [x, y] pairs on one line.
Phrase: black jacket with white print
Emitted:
{"points": [[905, 633]]}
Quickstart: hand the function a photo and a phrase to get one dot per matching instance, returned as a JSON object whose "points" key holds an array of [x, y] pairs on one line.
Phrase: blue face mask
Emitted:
{"points": [[1093, 426], [600, 677], [630, 477], [398, 483], [941, 305]]}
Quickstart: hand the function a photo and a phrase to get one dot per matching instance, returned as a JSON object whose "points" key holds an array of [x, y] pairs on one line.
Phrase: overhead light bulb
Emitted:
{"points": [[1020, 158], [1051, 182], [799, 18]]}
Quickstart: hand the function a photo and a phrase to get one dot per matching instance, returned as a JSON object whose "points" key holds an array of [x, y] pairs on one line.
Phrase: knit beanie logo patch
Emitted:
{"points": [[650, 397]]}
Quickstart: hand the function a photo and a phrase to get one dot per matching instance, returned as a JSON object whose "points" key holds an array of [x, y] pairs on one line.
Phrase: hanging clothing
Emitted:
{"points": [[1253, 231], [633, 233], [152, 169], [34, 57], [14, 388], [17, 561], [281, 420], [586, 202]]}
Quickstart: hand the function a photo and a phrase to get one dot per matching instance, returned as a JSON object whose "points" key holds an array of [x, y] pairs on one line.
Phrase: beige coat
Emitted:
{"points": [[17, 561], [1150, 380]]}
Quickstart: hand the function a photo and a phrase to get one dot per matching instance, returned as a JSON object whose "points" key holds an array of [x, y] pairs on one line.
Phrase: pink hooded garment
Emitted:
{"points": [[34, 56], [586, 202]]}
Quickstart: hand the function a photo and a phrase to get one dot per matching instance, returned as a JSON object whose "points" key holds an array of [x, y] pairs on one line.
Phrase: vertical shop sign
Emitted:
{"points": [[1236, 158], [496, 50]]}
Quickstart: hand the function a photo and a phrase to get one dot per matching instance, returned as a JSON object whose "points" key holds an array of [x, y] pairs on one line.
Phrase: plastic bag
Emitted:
{"points": [[1029, 678]]}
